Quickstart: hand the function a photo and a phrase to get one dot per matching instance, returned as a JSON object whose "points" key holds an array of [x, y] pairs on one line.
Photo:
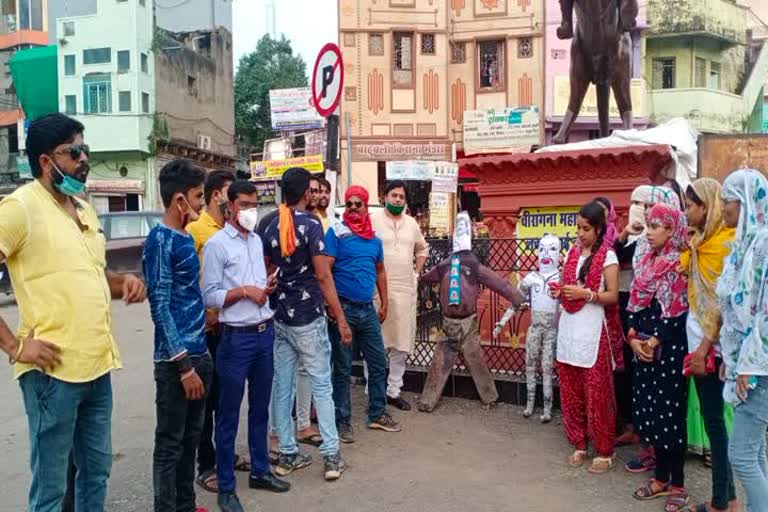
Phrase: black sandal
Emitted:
{"points": [[205, 479]]}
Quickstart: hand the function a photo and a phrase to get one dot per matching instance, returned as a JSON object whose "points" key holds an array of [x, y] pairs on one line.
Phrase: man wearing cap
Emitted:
{"points": [[357, 256]]}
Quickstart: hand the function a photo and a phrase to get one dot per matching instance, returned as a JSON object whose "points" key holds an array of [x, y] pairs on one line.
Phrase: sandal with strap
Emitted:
{"points": [[678, 500], [242, 464], [207, 480], [601, 465], [576, 459], [647, 492]]}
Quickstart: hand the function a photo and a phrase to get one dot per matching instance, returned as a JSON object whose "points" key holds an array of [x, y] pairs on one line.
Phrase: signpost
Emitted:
{"points": [[327, 84], [292, 109]]}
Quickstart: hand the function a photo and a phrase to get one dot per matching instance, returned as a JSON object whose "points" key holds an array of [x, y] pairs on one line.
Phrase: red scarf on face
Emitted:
{"points": [[594, 279], [359, 222]]}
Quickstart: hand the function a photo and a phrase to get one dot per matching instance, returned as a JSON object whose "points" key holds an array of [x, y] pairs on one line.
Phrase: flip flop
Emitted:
{"points": [[205, 479], [312, 440], [647, 493], [242, 464]]}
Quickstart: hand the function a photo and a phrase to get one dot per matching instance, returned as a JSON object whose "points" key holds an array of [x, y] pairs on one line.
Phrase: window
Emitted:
{"points": [[145, 102], [97, 56], [664, 73], [491, 64], [69, 28], [427, 44], [124, 101], [69, 65], [402, 72], [70, 104], [144, 63], [376, 45], [714, 75], [458, 53], [700, 73], [30, 14], [123, 61], [97, 93]]}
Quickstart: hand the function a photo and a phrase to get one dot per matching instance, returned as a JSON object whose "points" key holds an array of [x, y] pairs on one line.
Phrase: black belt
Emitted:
{"points": [[344, 300], [256, 328]]}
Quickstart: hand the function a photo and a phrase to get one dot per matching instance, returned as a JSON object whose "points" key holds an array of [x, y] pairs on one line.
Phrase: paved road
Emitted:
{"points": [[459, 458]]}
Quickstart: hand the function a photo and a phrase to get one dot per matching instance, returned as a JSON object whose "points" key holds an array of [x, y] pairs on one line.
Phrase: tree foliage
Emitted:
{"points": [[273, 65]]}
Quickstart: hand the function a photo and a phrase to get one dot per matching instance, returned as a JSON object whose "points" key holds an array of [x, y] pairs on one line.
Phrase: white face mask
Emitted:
{"points": [[248, 219], [636, 215]]}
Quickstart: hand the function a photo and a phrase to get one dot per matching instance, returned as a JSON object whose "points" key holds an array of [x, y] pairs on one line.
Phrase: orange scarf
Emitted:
{"points": [[287, 233]]}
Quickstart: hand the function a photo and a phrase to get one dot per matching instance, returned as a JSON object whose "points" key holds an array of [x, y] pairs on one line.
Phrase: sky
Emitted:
{"points": [[309, 24]]}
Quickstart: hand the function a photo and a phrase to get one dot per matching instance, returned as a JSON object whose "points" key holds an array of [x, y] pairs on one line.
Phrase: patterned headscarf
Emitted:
{"points": [[741, 271], [741, 287], [656, 276], [658, 195]]}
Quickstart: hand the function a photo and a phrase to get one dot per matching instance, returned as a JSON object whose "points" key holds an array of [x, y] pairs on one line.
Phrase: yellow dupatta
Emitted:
{"points": [[704, 261]]}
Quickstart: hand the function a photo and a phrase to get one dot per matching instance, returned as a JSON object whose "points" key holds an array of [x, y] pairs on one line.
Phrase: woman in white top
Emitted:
{"points": [[585, 361]]}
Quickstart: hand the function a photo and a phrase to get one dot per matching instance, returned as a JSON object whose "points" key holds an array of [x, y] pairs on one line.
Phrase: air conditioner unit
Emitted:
{"points": [[204, 142]]}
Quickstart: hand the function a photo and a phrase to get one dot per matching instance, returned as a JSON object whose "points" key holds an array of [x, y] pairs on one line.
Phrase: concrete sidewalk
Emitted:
{"points": [[457, 459]]}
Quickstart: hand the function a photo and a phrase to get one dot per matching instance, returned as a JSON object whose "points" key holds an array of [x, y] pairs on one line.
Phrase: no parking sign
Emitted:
{"points": [[327, 80]]}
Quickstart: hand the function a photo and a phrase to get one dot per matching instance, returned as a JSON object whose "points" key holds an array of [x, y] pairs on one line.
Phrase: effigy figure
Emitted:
{"points": [[541, 339], [460, 276]]}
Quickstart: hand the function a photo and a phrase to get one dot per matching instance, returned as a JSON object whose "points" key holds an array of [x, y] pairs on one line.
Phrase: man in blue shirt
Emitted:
{"points": [[358, 270], [294, 243], [183, 367], [235, 282]]}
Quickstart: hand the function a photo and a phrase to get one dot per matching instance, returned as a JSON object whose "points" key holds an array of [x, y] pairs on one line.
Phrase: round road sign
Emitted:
{"points": [[327, 80]]}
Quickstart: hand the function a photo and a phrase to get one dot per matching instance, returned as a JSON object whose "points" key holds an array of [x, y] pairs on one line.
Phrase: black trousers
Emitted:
{"points": [[206, 450]]}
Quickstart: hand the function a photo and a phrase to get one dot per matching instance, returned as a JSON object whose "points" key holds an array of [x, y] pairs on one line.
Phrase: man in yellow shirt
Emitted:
{"points": [[211, 221], [54, 247], [323, 201]]}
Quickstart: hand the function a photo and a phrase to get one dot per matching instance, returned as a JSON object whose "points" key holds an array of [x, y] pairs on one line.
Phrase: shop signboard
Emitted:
{"points": [[266, 193], [387, 151], [502, 129], [446, 178], [533, 223], [292, 109], [272, 169], [443, 175], [439, 212]]}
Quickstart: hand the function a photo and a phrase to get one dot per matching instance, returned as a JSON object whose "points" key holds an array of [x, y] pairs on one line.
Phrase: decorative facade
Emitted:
{"points": [[413, 67]]}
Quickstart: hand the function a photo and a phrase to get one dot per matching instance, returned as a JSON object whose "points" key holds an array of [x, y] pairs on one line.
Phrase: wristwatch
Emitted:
{"points": [[184, 364]]}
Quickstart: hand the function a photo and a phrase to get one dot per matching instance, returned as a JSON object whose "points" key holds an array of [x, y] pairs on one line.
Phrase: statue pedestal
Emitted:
{"points": [[507, 183]]}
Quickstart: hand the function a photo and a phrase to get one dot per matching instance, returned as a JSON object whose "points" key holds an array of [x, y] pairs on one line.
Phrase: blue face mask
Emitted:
{"points": [[68, 185]]}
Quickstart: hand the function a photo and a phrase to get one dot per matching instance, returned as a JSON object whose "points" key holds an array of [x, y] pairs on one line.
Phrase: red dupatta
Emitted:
{"points": [[614, 329]]}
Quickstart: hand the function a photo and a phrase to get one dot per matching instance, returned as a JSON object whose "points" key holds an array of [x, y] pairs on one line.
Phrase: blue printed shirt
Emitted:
{"points": [[172, 274], [354, 268], [299, 299]]}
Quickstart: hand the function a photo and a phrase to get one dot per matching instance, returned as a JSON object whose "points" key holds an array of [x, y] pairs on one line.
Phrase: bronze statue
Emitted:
{"points": [[601, 53]]}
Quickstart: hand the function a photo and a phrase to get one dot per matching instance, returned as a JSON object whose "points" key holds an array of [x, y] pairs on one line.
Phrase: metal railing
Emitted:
{"points": [[511, 259]]}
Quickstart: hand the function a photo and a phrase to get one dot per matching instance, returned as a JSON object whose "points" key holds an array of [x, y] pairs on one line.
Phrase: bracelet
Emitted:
{"points": [[591, 297], [14, 358], [187, 375]]}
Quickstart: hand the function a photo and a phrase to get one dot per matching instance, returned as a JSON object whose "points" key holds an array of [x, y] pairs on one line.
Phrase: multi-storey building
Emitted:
{"points": [[145, 95], [701, 64], [106, 80], [414, 67], [23, 24]]}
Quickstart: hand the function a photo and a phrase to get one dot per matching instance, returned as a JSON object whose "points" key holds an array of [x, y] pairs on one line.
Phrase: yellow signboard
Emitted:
{"points": [[272, 169], [562, 93], [536, 222]]}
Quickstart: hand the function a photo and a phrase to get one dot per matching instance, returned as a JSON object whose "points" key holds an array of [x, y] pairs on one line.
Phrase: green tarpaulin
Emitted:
{"points": [[35, 78]]}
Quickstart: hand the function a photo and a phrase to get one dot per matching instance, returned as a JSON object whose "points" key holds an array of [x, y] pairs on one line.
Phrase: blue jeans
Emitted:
{"points": [[363, 319], [68, 418], [309, 345], [243, 356], [748, 446], [177, 434]]}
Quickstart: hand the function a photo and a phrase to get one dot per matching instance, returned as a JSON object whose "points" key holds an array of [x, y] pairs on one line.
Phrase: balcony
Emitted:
{"points": [[709, 110], [107, 132], [719, 19]]}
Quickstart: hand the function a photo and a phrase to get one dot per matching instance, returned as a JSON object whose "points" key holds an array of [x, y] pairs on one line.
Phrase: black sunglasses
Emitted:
{"points": [[75, 151], [356, 204]]}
